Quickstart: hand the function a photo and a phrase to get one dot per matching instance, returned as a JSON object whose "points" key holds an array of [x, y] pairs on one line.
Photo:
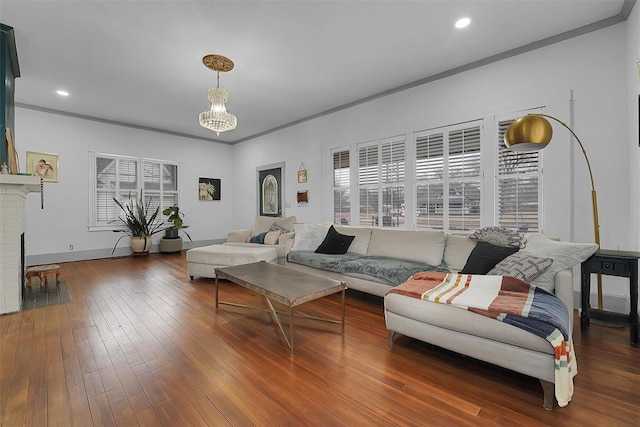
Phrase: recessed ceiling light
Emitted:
{"points": [[62, 92], [463, 22]]}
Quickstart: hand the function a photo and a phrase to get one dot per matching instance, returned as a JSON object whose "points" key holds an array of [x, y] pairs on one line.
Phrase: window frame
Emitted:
{"points": [[447, 178], [498, 176], [113, 224]]}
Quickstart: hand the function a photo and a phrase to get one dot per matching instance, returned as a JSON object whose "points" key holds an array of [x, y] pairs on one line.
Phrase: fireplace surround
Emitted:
{"points": [[13, 195]]}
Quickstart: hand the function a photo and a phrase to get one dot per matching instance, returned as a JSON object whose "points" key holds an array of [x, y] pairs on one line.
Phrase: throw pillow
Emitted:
{"points": [[335, 243], [279, 227], [309, 236], [499, 236], [271, 238], [521, 265], [565, 255], [484, 257], [258, 238]]}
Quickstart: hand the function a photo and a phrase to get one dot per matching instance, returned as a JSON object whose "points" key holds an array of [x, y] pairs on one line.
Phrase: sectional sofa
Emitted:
{"points": [[443, 325]]}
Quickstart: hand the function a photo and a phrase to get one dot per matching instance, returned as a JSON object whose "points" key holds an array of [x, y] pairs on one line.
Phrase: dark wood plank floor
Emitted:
{"points": [[140, 344]]}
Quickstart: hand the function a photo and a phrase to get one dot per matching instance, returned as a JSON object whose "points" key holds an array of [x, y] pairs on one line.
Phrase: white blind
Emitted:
{"points": [[341, 187], [123, 177], [448, 178], [519, 178], [381, 182]]}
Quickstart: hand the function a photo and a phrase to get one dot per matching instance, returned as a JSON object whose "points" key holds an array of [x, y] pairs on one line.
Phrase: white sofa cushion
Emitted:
{"points": [[457, 250], [309, 236], [361, 241], [414, 245]]}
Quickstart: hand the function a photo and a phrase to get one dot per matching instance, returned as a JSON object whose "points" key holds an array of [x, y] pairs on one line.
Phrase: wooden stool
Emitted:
{"points": [[41, 271]]}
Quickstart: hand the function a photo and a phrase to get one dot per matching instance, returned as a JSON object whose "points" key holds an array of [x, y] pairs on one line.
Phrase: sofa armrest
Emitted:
{"points": [[287, 240], [564, 290], [239, 236]]}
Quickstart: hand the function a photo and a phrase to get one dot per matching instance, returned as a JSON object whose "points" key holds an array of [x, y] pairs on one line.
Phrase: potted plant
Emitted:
{"points": [[140, 223], [174, 216]]}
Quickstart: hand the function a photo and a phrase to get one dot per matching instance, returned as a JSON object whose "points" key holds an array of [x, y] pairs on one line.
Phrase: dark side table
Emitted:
{"points": [[611, 263]]}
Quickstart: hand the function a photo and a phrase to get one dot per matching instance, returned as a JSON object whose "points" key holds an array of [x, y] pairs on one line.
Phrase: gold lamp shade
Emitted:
{"points": [[528, 133]]}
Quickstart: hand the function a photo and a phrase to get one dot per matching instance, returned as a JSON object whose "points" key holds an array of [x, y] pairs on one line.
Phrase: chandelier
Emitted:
{"points": [[217, 119]]}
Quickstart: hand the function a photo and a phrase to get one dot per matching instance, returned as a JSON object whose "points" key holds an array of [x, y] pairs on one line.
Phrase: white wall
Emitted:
{"points": [[633, 81], [591, 67], [542, 77], [64, 221]]}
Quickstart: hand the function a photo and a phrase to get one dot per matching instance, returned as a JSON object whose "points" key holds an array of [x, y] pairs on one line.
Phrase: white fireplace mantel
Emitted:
{"points": [[32, 183], [13, 194]]}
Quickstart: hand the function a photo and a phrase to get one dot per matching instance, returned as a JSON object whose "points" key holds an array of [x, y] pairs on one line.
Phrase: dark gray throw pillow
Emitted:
{"points": [[485, 256], [258, 238], [335, 243]]}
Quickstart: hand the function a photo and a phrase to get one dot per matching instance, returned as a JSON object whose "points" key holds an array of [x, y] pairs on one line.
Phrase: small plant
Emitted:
{"points": [[139, 219], [174, 216]]}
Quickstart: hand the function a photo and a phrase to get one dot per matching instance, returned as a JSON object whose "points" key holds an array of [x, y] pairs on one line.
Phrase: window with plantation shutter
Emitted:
{"points": [[123, 177], [341, 187], [519, 179], [448, 178], [381, 183]]}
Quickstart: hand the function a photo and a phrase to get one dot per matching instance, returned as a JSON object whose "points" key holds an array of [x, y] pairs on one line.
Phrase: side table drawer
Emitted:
{"points": [[608, 267]]}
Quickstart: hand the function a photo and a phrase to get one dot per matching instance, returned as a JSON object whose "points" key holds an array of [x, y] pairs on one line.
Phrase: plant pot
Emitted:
{"points": [[171, 233], [141, 244]]}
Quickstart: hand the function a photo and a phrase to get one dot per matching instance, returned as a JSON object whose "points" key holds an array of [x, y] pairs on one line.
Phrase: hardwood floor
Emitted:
{"points": [[140, 344]]}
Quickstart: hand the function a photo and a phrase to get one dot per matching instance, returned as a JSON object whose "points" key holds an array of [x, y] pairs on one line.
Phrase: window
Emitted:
{"points": [[381, 183], [341, 188], [519, 182], [448, 186], [121, 177]]}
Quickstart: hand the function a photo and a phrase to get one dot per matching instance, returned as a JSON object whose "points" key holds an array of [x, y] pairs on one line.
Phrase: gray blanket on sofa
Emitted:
{"points": [[392, 271]]}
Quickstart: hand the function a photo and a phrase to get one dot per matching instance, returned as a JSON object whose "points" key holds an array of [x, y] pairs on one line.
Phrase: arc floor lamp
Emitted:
{"points": [[533, 132]]}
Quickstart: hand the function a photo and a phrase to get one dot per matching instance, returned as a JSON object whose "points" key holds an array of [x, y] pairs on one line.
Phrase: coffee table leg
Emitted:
{"points": [[215, 287], [343, 298], [291, 327]]}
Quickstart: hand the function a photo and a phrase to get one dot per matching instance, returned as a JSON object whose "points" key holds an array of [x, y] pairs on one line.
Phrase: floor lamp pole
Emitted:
{"points": [[594, 200]]}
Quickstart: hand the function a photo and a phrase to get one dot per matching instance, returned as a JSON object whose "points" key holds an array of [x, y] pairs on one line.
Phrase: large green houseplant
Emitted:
{"points": [[140, 222]]}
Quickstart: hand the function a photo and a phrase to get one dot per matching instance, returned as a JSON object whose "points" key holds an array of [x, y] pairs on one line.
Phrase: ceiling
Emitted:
{"points": [[139, 63]]}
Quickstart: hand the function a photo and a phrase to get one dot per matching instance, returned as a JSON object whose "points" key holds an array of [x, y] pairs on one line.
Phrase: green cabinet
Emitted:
{"points": [[9, 71]]}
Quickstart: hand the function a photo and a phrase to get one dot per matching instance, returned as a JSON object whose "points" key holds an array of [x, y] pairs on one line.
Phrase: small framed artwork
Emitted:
{"points": [[302, 174], [44, 165], [302, 196], [208, 189]]}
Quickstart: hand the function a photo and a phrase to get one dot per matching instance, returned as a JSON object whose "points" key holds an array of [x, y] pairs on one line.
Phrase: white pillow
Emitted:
{"points": [[565, 255], [271, 238], [309, 236]]}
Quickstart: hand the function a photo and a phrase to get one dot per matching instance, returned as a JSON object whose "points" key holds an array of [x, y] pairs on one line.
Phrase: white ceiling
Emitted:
{"points": [[139, 62]]}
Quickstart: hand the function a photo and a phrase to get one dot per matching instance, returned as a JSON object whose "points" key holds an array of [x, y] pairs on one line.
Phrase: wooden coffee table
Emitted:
{"points": [[283, 285]]}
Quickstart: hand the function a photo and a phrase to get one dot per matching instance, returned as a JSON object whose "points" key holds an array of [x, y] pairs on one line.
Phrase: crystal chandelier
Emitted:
{"points": [[217, 119]]}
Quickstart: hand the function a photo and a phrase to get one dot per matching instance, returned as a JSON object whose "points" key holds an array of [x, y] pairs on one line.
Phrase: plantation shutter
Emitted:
{"points": [[341, 188], [519, 179], [123, 178], [429, 180], [368, 180], [464, 178], [393, 180]]}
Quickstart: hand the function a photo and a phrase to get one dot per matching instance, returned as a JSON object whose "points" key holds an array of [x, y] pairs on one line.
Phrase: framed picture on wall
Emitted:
{"points": [[270, 191], [44, 165], [209, 189]]}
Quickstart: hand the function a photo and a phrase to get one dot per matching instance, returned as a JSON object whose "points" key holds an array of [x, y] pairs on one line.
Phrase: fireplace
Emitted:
{"points": [[13, 195]]}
